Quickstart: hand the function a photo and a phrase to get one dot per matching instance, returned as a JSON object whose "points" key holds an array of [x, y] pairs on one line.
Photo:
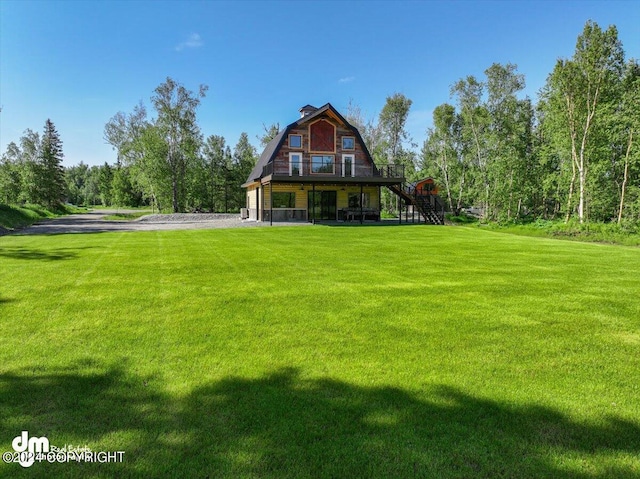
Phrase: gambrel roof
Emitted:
{"points": [[272, 148]]}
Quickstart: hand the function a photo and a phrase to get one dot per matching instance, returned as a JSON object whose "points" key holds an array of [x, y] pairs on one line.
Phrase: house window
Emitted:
{"points": [[322, 164], [348, 143], [284, 200], [354, 200], [295, 141], [295, 164], [348, 165]]}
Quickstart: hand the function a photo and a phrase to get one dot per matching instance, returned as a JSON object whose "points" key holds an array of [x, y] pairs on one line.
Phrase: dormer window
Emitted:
{"points": [[348, 143], [295, 141]]}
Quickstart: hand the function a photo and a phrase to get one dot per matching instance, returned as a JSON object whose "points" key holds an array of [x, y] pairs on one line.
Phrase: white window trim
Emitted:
{"points": [[353, 164], [291, 155]]}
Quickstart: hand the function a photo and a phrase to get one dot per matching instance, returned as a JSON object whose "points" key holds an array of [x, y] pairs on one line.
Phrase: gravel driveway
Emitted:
{"points": [[94, 222]]}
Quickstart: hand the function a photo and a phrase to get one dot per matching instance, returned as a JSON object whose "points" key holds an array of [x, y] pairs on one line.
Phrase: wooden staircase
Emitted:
{"points": [[429, 206]]}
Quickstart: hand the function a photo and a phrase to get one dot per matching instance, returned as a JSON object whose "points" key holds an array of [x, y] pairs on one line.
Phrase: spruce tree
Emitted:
{"points": [[51, 182]]}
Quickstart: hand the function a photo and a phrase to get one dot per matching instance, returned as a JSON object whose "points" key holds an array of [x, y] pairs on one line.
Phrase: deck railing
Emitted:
{"points": [[337, 169]]}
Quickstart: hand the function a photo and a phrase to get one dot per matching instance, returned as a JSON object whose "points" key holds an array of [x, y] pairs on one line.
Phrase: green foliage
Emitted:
{"points": [[50, 173], [482, 153], [243, 160], [123, 191], [105, 184], [212, 182], [461, 219], [169, 163], [626, 233], [575, 154], [176, 127], [424, 351], [83, 184], [391, 136], [392, 120], [10, 177], [269, 134], [442, 157], [580, 100], [32, 172]]}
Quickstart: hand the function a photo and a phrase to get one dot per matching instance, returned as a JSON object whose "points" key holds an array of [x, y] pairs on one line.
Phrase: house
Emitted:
{"points": [[318, 168]]}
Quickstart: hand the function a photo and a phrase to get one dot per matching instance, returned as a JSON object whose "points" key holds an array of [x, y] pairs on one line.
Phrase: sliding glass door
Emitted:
{"points": [[324, 205]]}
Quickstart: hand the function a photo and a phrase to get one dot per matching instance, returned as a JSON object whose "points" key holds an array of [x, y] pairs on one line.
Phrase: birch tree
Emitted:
{"points": [[630, 122], [442, 150], [475, 121], [177, 127], [392, 120], [580, 86]]}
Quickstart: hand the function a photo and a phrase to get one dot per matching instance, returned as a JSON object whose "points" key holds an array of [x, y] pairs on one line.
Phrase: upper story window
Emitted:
{"points": [[295, 164], [295, 141], [348, 143], [322, 136], [322, 164], [348, 165]]}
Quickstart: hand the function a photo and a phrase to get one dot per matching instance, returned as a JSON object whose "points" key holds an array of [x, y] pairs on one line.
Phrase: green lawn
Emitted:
{"points": [[127, 216], [331, 352]]}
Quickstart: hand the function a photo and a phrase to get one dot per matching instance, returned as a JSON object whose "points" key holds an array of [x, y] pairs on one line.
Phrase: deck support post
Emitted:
{"points": [[261, 203], [313, 204], [361, 198], [271, 203]]}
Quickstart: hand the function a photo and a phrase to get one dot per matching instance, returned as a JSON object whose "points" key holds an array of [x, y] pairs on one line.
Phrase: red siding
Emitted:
{"points": [[427, 187], [322, 136]]}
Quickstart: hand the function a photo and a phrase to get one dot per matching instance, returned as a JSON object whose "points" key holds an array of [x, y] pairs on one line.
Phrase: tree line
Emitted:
{"points": [[32, 171], [169, 163], [573, 154], [164, 162]]}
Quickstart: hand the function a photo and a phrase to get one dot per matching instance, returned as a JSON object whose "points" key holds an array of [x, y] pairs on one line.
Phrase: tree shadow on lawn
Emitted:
{"points": [[43, 255], [281, 425]]}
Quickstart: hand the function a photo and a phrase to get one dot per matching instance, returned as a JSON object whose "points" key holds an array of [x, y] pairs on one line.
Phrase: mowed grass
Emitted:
{"points": [[335, 352]]}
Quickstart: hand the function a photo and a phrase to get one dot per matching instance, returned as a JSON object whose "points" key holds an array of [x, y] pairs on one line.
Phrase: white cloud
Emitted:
{"points": [[346, 79], [194, 41]]}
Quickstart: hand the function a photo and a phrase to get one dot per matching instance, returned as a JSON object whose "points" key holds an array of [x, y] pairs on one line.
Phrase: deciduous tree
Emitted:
{"points": [[578, 89]]}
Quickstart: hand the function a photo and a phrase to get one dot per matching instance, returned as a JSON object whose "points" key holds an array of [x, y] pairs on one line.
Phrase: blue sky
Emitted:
{"points": [[80, 62]]}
